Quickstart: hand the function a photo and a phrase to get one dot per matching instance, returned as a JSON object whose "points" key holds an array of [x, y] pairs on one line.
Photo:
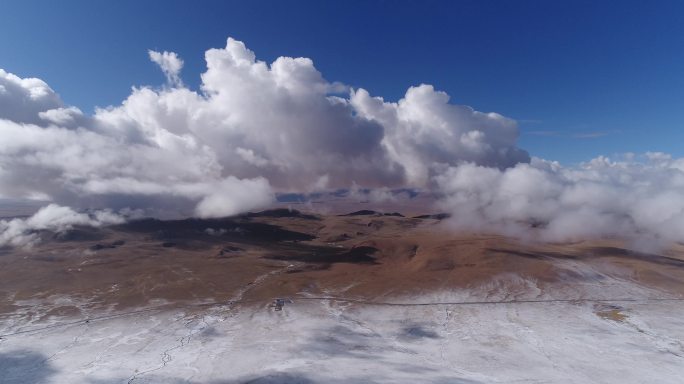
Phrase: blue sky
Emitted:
{"points": [[583, 78]]}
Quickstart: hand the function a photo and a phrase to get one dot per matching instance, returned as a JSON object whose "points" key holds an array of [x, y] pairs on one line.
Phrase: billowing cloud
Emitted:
{"points": [[252, 129], [65, 117], [637, 198], [23, 99], [426, 131]]}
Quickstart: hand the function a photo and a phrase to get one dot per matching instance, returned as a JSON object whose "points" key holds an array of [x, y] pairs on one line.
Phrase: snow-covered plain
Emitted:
{"points": [[336, 342]]}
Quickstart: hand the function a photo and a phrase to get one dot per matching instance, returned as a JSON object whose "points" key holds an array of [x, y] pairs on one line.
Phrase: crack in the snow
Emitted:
{"points": [[73, 343], [442, 345], [166, 356]]}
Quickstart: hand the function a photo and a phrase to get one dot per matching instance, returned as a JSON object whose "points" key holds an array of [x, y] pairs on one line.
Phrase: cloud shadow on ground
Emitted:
{"points": [[25, 367]]}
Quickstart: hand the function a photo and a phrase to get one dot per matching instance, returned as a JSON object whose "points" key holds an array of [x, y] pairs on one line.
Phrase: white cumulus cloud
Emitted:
{"points": [[22, 99], [253, 129]]}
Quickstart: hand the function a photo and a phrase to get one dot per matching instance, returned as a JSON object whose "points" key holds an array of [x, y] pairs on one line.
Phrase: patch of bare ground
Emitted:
{"points": [[610, 312], [371, 255]]}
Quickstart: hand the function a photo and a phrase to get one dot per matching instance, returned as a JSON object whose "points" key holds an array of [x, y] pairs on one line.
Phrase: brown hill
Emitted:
{"points": [[254, 258]]}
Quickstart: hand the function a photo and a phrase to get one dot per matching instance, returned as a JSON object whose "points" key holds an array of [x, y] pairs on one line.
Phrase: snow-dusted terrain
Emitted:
{"points": [[337, 342], [375, 299]]}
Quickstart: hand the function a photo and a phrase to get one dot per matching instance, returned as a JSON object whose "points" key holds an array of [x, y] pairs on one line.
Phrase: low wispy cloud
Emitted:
{"points": [[170, 64], [529, 121], [22, 232], [639, 198], [572, 135]]}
